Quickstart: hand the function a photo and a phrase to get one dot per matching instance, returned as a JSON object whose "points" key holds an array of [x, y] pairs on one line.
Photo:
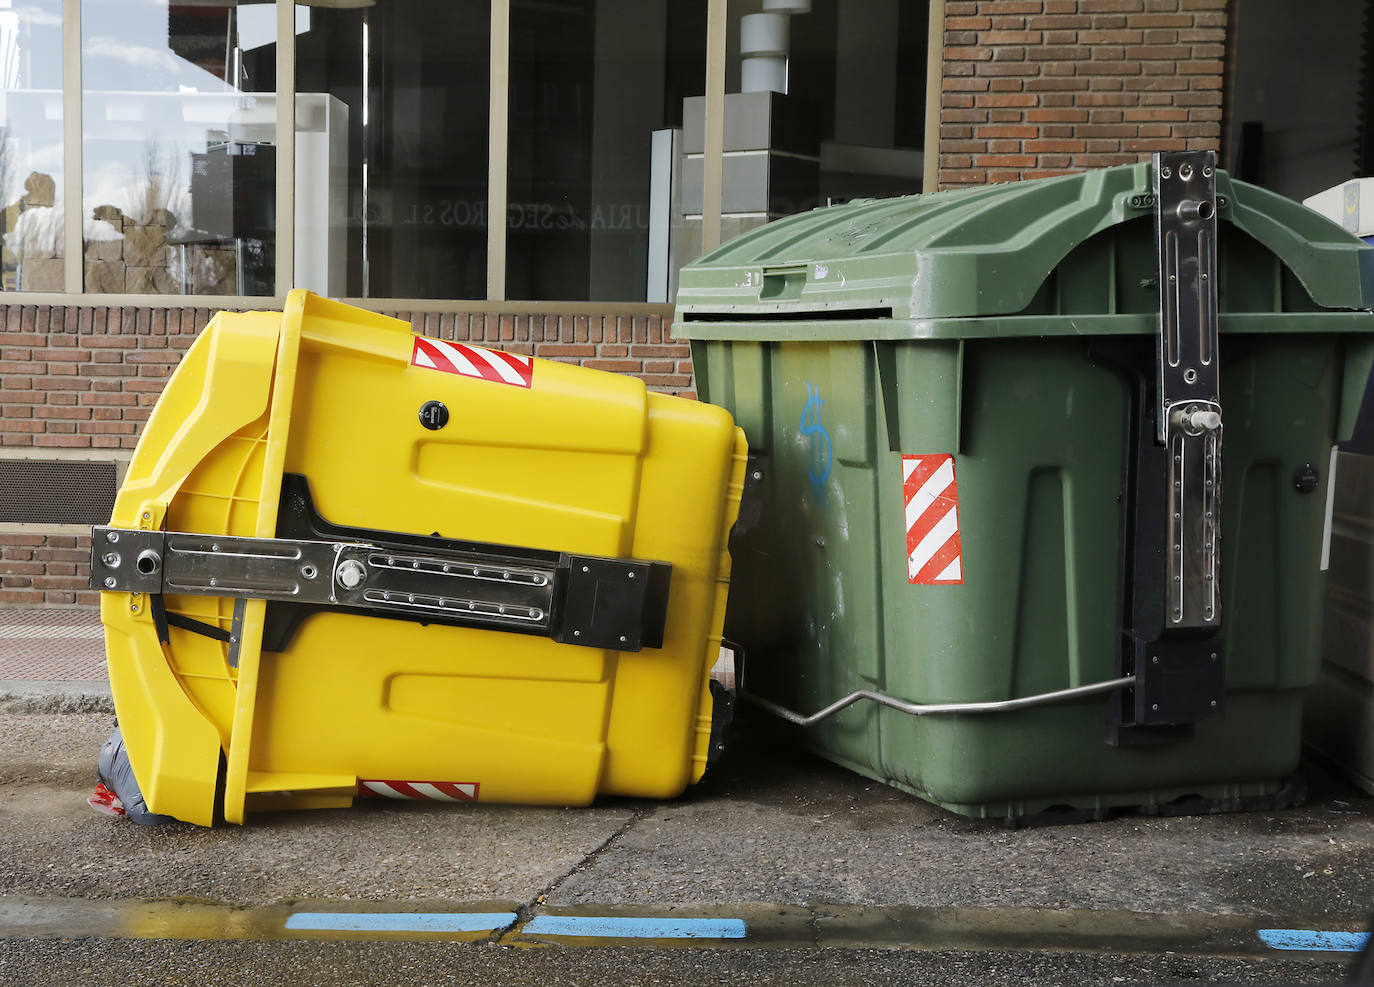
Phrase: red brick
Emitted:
{"points": [[968, 54], [1056, 116], [1160, 52], [1041, 146], [1010, 38], [1161, 115], [1005, 160], [1153, 144], [1006, 130], [1006, 99], [1004, 7]]}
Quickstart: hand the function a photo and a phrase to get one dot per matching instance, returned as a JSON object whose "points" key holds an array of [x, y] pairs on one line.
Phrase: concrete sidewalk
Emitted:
{"points": [[53, 659]]}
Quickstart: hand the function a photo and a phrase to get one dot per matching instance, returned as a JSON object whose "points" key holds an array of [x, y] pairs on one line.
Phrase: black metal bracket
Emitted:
{"points": [[313, 565]]}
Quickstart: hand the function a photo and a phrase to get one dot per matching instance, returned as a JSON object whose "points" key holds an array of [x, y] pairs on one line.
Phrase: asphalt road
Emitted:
{"points": [[841, 880]]}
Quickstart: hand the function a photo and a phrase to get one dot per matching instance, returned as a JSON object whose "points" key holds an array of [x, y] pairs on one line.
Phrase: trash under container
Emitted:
{"points": [[350, 560], [991, 552]]}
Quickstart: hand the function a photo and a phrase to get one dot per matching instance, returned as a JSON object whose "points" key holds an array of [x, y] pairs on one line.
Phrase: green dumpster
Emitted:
{"points": [[991, 551]]}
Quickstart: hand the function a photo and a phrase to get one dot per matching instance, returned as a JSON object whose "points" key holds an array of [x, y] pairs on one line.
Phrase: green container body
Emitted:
{"points": [[1004, 326]]}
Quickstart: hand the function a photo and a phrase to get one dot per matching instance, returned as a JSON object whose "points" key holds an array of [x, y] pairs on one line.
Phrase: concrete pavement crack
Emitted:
{"points": [[526, 911]]}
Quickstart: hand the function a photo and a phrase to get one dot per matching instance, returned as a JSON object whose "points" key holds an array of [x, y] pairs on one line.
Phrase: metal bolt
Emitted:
{"points": [[350, 574], [585, 569], [111, 559], [1166, 172], [577, 633], [308, 571], [1185, 172], [109, 582], [415, 564], [1154, 706], [147, 516], [1173, 277], [1206, 171], [506, 575], [112, 537], [1155, 659], [758, 475], [631, 575], [1214, 703], [214, 582], [214, 548], [446, 568], [1204, 277], [623, 639]]}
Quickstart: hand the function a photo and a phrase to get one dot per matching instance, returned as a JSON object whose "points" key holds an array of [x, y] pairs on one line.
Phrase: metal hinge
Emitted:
{"points": [[574, 599], [1189, 379], [1172, 645]]}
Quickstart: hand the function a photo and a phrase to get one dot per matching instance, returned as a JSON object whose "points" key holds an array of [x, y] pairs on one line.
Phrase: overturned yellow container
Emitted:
{"points": [[351, 560]]}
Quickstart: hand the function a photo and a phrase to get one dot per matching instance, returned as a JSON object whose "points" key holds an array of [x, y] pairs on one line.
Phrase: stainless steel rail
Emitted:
{"points": [[935, 709]]}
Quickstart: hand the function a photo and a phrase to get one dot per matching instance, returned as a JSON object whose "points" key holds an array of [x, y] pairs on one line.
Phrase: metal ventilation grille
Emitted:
{"points": [[56, 491]]}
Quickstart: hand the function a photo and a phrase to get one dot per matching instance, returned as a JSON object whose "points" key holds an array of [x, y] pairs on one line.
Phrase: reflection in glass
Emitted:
{"points": [[596, 105], [31, 144], [409, 82], [179, 154]]}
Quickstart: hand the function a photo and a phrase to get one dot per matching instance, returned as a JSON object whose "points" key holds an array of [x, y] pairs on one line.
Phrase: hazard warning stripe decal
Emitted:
{"points": [[931, 496], [434, 791], [473, 361]]}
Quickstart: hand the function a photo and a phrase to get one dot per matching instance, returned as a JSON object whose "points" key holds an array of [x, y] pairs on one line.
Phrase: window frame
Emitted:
{"points": [[497, 156]]}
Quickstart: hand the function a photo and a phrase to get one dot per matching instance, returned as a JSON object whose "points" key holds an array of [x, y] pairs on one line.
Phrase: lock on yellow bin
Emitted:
{"points": [[349, 560]]}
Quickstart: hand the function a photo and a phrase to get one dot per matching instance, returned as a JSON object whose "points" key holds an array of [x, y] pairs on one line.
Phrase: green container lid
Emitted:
{"points": [[895, 268]]}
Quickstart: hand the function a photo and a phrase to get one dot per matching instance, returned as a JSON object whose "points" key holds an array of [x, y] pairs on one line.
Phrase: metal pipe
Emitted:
{"points": [[933, 709]]}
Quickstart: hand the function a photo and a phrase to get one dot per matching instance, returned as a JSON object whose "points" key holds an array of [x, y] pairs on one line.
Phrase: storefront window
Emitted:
{"points": [[31, 144], [597, 91], [825, 102], [179, 156], [408, 82]]}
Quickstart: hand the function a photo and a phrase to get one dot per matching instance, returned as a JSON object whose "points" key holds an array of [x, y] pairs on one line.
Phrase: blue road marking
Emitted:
{"points": [[400, 921], [1343, 942], [609, 927]]}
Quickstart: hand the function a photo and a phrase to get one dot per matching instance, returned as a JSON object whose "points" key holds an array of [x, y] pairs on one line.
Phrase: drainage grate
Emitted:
{"points": [[56, 491]]}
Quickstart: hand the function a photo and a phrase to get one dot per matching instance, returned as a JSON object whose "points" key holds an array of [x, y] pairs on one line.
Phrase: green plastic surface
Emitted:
{"points": [[1015, 308]]}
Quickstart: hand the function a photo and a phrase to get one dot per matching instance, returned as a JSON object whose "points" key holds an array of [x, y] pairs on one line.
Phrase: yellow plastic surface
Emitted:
{"points": [[580, 461]]}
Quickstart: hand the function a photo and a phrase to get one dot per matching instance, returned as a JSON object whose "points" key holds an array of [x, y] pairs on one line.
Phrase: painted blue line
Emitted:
{"points": [[1343, 942], [635, 928], [400, 921]]}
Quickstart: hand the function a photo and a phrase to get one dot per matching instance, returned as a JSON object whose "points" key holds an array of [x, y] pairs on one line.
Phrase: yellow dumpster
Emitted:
{"points": [[348, 560]]}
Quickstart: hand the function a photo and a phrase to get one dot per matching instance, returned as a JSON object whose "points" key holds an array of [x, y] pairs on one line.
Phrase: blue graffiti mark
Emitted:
{"points": [[818, 466]]}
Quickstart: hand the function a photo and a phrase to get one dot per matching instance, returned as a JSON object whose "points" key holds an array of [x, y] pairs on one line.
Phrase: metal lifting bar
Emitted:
{"points": [[939, 709]]}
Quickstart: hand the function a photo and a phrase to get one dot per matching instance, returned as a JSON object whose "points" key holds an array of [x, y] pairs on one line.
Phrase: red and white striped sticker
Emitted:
{"points": [[496, 366], [434, 791], [932, 520]]}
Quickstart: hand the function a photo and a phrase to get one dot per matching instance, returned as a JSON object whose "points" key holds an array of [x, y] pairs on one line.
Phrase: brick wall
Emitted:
{"points": [[1034, 88], [86, 377]]}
